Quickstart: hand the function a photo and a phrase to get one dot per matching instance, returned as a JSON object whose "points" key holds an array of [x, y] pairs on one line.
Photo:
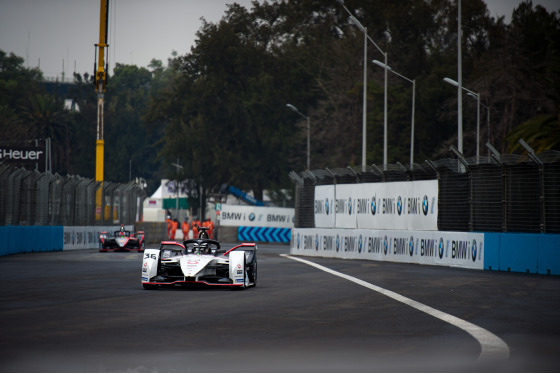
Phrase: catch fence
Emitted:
{"points": [[32, 198], [505, 193]]}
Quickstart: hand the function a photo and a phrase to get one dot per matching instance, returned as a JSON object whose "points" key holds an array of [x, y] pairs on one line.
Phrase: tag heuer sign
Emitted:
{"points": [[10, 154]]}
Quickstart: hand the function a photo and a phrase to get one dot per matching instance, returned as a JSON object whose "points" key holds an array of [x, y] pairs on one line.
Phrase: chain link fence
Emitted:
{"points": [[31, 198], [504, 193]]}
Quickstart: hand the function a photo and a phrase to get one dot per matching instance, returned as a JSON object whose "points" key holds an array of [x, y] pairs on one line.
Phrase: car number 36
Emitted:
{"points": [[150, 255]]}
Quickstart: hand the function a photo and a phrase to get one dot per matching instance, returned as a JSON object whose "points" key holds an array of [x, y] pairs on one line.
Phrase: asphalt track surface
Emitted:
{"points": [[85, 311]]}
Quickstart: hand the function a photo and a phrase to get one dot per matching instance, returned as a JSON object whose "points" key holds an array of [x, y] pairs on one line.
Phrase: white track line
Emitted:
{"points": [[492, 347]]}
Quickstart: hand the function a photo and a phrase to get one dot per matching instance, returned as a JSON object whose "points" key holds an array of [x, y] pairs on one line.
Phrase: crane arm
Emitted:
{"points": [[100, 71]]}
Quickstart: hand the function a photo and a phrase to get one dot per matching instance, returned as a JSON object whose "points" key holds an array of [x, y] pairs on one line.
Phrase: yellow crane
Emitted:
{"points": [[100, 72]]}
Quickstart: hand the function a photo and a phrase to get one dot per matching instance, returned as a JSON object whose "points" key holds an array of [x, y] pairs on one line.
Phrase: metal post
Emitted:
{"points": [[460, 81], [477, 128], [412, 125], [308, 144], [385, 118], [364, 115]]}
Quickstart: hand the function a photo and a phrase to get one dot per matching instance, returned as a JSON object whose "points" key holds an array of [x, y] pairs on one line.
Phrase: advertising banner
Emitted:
{"points": [[389, 206], [22, 155], [243, 215], [345, 205], [455, 249], [324, 206], [397, 205]]}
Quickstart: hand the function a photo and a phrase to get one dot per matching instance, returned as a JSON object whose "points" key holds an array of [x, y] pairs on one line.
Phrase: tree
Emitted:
{"points": [[17, 82], [542, 133], [518, 76], [45, 117], [226, 115]]}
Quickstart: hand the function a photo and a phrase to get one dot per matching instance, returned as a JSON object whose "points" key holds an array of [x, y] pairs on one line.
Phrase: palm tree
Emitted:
{"points": [[542, 133], [46, 117]]}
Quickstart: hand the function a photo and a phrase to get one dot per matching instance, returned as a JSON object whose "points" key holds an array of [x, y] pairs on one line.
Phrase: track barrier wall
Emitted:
{"points": [[527, 253], [24, 239]]}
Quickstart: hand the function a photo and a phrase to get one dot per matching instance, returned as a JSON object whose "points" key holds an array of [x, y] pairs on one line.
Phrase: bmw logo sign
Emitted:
{"points": [[373, 207], [411, 246], [327, 205], [349, 205], [425, 205], [360, 244], [474, 250], [337, 243], [385, 245], [399, 205], [441, 247], [252, 217]]}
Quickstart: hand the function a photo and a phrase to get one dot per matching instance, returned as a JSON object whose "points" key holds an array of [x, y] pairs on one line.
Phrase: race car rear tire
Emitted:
{"points": [[150, 286]]}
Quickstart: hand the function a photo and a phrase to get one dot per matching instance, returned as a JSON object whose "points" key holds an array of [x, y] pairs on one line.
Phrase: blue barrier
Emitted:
{"points": [[23, 239], [264, 234], [548, 260], [526, 253]]}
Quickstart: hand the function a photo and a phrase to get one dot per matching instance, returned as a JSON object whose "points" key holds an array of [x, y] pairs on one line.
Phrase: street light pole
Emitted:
{"points": [[364, 121], [460, 77], [364, 114], [413, 81], [385, 134], [308, 134], [477, 97]]}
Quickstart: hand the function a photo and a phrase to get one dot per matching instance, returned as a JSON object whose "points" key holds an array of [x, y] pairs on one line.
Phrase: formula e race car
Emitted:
{"points": [[200, 262], [121, 240]]}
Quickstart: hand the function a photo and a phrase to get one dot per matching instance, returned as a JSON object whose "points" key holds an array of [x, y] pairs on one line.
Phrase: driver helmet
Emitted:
{"points": [[205, 248]]}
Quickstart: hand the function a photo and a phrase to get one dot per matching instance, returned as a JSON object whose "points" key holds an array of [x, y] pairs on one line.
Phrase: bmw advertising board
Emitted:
{"points": [[455, 249], [324, 206], [242, 215], [390, 205], [397, 205]]}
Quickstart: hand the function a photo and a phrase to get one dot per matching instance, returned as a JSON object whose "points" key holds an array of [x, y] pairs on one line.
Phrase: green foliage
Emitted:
{"points": [[17, 83], [542, 133], [220, 110], [44, 118]]}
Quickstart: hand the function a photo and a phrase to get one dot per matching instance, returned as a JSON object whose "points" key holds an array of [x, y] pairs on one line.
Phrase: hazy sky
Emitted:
{"points": [[50, 33]]}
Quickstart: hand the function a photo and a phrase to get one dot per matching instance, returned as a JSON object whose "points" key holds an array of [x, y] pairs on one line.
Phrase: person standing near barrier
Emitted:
{"points": [[195, 225], [174, 226], [185, 229]]}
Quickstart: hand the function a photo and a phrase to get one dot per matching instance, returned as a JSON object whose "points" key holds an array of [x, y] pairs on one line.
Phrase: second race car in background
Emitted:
{"points": [[121, 240]]}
